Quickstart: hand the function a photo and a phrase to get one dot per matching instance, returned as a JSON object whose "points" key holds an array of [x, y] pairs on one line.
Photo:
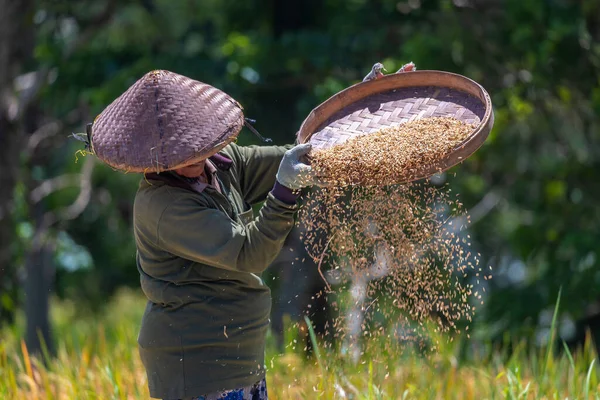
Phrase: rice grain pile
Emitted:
{"points": [[395, 257], [391, 154]]}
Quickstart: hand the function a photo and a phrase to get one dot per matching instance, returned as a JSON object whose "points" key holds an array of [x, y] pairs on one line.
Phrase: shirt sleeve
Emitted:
{"points": [[256, 167], [209, 236]]}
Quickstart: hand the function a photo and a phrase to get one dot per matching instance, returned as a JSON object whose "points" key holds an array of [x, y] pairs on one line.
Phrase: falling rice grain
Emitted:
{"points": [[393, 243]]}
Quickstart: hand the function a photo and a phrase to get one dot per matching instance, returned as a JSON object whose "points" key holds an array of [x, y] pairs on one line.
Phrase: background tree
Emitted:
{"points": [[16, 44]]}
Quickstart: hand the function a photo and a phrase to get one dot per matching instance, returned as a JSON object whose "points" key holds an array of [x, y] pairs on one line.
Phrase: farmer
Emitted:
{"points": [[200, 249]]}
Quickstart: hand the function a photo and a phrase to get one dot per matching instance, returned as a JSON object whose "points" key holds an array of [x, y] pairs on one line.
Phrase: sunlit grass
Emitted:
{"points": [[97, 358]]}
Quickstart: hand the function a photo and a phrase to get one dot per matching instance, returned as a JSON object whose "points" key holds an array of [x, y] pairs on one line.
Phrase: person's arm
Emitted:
{"points": [[210, 237], [256, 167]]}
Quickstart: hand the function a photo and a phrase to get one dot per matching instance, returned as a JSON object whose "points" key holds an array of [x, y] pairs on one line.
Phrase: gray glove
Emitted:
{"points": [[292, 172]]}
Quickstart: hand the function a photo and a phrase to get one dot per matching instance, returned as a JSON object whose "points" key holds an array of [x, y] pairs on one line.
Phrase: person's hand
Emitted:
{"points": [[293, 173]]}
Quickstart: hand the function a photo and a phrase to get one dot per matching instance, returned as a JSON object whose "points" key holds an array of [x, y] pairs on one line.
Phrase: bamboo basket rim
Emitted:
{"points": [[319, 116]]}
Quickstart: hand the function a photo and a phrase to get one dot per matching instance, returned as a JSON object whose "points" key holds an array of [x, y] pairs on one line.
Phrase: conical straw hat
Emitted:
{"points": [[165, 121]]}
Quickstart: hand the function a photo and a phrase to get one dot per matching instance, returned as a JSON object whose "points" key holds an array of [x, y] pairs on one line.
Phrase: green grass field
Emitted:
{"points": [[97, 359]]}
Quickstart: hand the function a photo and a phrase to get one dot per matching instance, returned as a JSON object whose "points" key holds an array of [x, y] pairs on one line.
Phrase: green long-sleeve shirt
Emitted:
{"points": [[199, 257]]}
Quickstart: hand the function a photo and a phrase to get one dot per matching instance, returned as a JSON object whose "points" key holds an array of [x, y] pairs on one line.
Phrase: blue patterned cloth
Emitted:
{"points": [[258, 391]]}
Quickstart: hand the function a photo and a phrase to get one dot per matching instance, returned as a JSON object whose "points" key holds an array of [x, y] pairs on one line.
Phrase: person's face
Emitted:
{"points": [[192, 171]]}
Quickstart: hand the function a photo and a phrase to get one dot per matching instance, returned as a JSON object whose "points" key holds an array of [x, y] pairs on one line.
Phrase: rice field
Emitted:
{"points": [[97, 358]]}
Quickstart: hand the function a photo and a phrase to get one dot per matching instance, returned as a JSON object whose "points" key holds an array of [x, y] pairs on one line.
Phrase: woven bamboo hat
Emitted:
{"points": [[165, 121], [394, 99]]}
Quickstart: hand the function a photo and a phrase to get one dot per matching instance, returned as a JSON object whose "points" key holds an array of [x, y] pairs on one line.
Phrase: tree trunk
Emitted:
{"points": [[8, 163], [16, 32], [38, 284]]}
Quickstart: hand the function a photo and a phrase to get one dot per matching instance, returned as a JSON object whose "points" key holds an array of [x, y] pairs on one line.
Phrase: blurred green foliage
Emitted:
{"points": [[538, 59]]}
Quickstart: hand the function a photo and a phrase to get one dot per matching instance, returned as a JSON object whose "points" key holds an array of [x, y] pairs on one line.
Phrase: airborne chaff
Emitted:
{"points": [[393, 247]]}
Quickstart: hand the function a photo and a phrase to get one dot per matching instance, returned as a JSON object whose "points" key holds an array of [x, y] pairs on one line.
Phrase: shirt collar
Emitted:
{"points": [[210, 167], [221, 161], [211, 178]]}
